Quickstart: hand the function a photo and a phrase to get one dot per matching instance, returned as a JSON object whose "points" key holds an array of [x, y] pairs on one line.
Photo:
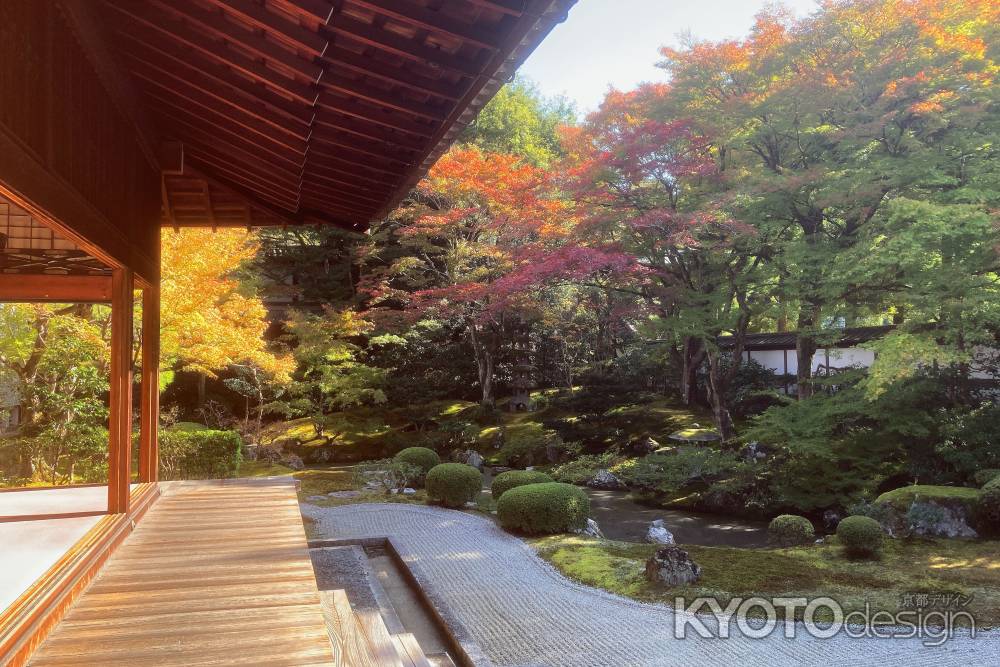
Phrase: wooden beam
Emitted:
{"points": [[120, 402], [149, 403], [340, 58], [56, 289], [221, 127], [432, 21], [373, 114], [365, 33], [261, 18], [216, 25], [329, 122], [375, 149], [384, 98], [230, 119], [508, 7], [219, 82], [165, 28]]}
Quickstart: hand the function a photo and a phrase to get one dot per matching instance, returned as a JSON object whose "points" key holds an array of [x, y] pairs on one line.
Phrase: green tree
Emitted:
{"points": [[519, 121]]}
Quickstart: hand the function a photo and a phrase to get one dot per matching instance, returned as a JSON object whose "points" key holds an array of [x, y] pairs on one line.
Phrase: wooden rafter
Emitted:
{"points": [[327, 110]]}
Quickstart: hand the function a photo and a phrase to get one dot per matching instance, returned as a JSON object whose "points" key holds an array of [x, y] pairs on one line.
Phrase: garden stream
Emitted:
{"points": [[621, 518]]}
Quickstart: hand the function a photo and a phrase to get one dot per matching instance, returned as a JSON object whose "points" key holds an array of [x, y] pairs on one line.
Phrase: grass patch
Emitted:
{"points": [[262, 469], [907, 566]]}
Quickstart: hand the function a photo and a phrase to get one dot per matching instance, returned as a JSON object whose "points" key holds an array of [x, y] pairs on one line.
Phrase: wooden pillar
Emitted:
{"points": [[120, 409], [150, 387]]}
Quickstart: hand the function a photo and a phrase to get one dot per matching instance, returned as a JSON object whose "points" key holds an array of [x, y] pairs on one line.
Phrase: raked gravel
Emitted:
{"points": [[524, 613]]}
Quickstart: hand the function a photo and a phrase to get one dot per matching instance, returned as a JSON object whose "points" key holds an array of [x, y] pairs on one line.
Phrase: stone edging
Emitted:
{"points": [[467, 651]]}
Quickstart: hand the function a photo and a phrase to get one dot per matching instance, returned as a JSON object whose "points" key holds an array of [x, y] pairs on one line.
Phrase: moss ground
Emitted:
{"points": [[925, 566], [903, 497]]}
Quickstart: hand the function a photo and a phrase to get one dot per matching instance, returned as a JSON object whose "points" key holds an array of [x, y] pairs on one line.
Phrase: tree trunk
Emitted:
{"points": [[485, 363], [691, 357], [201, 389], [805, 348], [717, 386]]}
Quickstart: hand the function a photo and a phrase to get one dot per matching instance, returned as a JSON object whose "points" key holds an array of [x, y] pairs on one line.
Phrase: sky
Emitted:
{"points": [[615, 42]]}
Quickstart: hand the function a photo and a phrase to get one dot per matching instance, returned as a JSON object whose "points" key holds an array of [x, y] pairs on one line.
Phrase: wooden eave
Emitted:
{"points": [[312, 110]]}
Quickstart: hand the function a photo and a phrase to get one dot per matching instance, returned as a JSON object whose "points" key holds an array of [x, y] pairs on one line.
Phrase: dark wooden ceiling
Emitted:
{"points": [[313, 111]]}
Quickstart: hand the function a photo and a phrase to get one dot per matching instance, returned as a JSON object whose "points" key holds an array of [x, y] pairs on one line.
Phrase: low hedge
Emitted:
{"points": [[206, 454], [506, 481], [419, 457], [453, 484], [546, 508], [860, 536], [789, 530]]}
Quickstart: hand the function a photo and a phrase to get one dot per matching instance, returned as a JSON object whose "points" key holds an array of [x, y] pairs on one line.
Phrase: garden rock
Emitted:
{"points": [[590, 530], [470, 457], [313, 499], [644, 445], [933, 520], [830, 520], [268, 454], [409, 491], [658, 533], [606, 480], [672, 566], [344, 494], [294, 462], [754, 452]]}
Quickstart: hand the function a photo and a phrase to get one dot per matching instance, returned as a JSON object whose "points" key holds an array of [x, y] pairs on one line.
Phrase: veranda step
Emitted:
{"points": [[379, 638], [409, 650], [350, 646]]}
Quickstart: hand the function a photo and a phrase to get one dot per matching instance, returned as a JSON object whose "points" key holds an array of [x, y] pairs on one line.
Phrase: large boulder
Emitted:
{"points": [[931, 511], [658, 533], [606, 480], [933, 520], [672, 566]]}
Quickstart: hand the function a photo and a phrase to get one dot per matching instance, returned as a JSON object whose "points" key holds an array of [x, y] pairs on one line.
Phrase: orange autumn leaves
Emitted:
{"points": [[208, 321]]}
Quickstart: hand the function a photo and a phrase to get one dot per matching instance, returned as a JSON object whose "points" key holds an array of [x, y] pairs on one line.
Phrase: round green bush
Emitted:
{"points": [[506, 481], [453, 484], [419, 457], [860, 535], [788, 530], [540, 509], [988, 508]]}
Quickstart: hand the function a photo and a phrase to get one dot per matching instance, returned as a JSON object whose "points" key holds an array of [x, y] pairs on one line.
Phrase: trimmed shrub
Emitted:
{"points": [[540, 509], [453, 484], [419, 457], [988, 509], [860, 536], [199, 454], [506, 481], [788, 530]]}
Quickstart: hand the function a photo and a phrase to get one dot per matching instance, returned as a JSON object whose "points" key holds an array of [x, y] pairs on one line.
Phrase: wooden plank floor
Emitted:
{"points": [[215, 574]]}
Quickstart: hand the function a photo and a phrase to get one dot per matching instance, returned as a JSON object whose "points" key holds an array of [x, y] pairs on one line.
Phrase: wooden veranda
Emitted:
{"points": [[118, 117]]}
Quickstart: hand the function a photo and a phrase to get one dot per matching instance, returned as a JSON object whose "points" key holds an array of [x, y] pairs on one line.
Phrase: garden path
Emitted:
{"points": [[524, 613]]}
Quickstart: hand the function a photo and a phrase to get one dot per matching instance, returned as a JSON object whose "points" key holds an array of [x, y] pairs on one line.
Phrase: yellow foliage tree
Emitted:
{"points": [[208, 320]]}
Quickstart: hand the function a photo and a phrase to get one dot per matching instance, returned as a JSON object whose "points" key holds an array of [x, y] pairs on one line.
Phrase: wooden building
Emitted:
{"points": [[118, 117]]}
